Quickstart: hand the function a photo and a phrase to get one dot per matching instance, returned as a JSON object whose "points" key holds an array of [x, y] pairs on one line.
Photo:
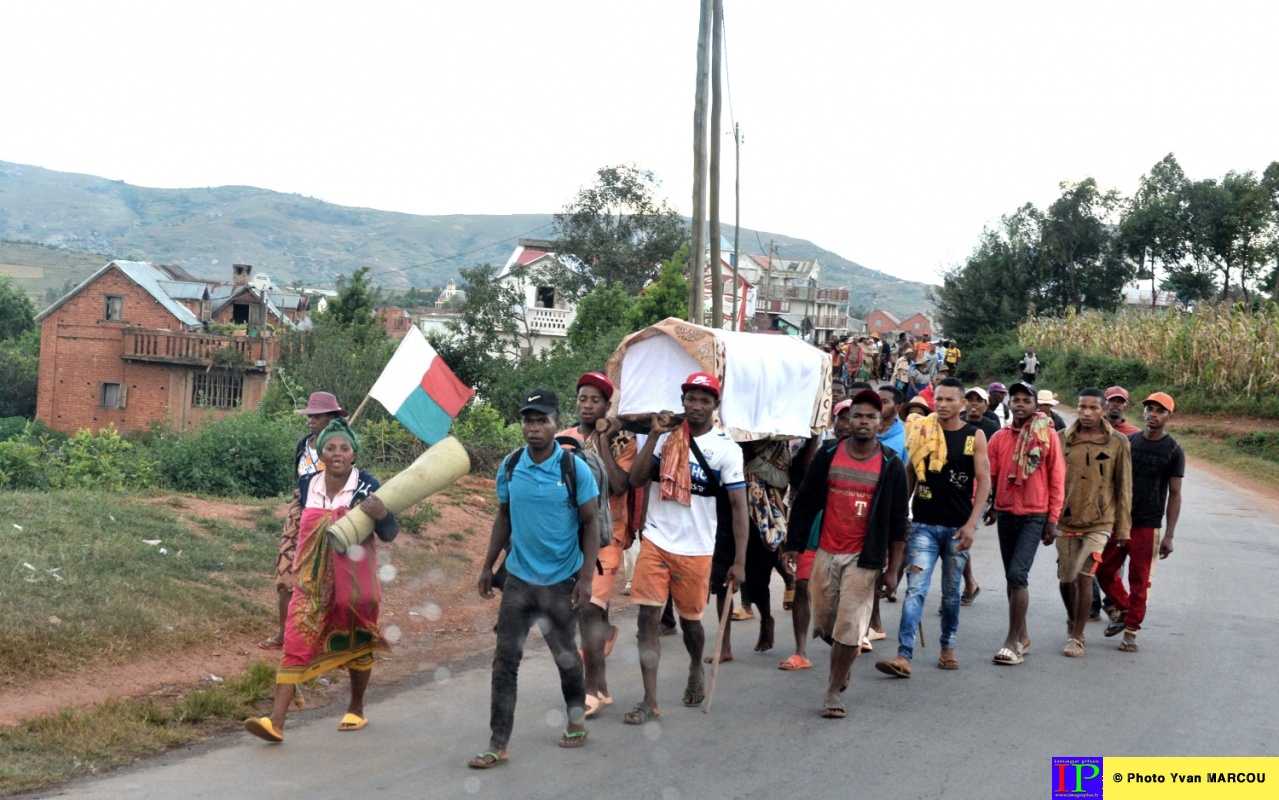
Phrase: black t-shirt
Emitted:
{"points": [[1154, 463], [989, 425], [946, 497]]}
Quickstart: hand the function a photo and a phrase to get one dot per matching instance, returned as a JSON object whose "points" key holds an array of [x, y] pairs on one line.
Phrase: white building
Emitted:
{"points": [[546, 312]]}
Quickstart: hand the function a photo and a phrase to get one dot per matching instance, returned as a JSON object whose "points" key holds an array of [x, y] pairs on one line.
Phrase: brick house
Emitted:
{"points": [[395, 321], [130, 346], [883, 322], [918, 325]]}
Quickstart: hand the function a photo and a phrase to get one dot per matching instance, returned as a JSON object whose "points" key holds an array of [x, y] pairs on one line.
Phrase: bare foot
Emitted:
{"points": [[727, 656], [765, 642]]}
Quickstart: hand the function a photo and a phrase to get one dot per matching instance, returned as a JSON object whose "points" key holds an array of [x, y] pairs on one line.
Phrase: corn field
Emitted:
{"points": [[1220, 349]]}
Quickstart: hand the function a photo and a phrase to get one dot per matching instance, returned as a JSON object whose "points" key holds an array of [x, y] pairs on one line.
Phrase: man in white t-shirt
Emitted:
{"points": [[678, 540]]}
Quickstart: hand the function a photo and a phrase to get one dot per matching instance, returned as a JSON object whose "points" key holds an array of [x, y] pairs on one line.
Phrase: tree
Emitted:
{"points": [[998, 286], [19, 374], [665, 297], [1082, 268], [1232, 227], [354, 309], [1153, 229], [601, 316], [617, 231], [486, 337], [17, 312]]}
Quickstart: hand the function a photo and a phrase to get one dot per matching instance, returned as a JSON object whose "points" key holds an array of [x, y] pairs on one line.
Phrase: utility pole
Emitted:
{"points": [[737, 217], [717, 272], [697, 281]]}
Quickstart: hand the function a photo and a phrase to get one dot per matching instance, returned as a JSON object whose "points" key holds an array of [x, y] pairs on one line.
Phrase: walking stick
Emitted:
{"points": [[719, 645]]}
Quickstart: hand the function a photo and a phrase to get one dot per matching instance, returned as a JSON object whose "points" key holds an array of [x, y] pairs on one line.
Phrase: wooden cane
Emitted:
{"points": [[719, 644]]}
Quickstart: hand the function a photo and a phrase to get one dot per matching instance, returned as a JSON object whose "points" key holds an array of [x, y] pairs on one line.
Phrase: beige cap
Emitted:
{"points": [[1046, 398]]}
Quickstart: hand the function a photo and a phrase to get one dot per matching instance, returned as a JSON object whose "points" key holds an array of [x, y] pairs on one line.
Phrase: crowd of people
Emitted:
{"points": [[901, 482]]}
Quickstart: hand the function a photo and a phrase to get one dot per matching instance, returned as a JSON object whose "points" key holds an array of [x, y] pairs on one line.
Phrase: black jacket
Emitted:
{"points": [[889, 519]]}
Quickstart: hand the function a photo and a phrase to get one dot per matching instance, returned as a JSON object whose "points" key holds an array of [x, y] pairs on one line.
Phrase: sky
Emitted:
{"points": [[890, 133]]}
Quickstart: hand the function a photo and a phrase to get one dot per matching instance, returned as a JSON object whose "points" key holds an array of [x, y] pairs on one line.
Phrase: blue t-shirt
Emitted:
{"points": [[895, 439], [545, 548]]}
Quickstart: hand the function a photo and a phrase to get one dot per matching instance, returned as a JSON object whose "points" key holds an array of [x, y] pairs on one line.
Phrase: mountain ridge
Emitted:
{"points": [[302, 240]]}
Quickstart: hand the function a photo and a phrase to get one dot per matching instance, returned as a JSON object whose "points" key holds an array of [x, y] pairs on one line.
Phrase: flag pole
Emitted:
{"points": [[351, 419]]}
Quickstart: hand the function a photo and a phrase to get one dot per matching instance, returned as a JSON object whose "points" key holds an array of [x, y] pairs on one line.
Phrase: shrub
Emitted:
{"points": [[1262, 444], [486, 436], [22, 466], [105, 461], [247, 453]]}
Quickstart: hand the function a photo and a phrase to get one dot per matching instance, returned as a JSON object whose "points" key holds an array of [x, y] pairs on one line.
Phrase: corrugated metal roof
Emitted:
{"points": [[144, 274], [182, 290]]}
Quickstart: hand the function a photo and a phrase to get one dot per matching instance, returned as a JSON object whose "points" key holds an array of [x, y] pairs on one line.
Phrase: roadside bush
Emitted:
{"points": [[993, 359], [105, 461], [22, 466], [486, 437], [1262, 444], [385, 442], [244, 454]]}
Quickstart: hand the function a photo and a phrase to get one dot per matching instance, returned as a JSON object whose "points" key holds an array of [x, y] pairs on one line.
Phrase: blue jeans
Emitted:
{"points": [[927, 544]]}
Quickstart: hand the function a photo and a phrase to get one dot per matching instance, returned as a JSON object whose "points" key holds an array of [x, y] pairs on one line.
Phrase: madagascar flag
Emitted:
{"points": [[420, 389]]}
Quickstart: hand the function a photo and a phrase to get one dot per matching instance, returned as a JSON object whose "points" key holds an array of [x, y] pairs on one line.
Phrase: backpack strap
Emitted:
{"points": [[512, 459], [701, 460], [568, 474]]}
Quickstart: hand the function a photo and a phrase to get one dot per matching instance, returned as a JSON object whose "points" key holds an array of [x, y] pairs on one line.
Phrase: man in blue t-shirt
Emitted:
{"points": [[551, 551]]}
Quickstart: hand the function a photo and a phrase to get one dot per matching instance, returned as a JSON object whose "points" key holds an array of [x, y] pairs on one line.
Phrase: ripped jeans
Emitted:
{"points": [[927, 544]]}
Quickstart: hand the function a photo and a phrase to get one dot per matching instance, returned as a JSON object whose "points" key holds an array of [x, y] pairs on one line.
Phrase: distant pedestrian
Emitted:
{"points": [[1096, 508], [859, 488], [948, 468], [998, 394], [1028, 478], [1029, 366], [1116, 405], [1158, 465], [552, 548], [901, 372]]}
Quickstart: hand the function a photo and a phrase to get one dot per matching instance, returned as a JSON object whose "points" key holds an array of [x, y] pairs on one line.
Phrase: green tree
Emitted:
{"points": [[1232, 228], [17, 312], [490, 331], [601, 315], [1153, 227], [354, 309], [616, 231], [665, 297], [998, 286], [19, 374], [1082, 267]]}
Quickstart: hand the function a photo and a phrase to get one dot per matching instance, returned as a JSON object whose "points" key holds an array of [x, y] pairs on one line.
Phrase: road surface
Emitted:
{"points": [[1201, 685]]}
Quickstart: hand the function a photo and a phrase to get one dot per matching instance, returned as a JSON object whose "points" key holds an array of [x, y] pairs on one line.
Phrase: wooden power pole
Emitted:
{"points": [[696, 282], [717, 273], [737, 216]]}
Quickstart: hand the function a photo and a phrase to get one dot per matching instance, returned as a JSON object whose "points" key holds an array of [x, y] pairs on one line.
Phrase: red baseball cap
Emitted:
{"points": [[702, 380], [1117, 391], [600, 381]]}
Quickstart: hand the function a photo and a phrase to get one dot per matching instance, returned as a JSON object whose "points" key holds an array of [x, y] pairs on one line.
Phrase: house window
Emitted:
{"points": [[879, 323], [240, 313], [110, 395], [218, 388], [545, 297], [916, 326], [114, 309]]}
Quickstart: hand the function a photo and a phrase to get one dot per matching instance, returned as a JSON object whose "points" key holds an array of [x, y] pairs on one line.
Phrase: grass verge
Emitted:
{"points": [[47, 751], [90, 577], [1227, 454]]}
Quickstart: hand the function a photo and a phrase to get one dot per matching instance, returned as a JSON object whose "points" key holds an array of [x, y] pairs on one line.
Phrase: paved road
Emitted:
{"points": [[1201, 685]]}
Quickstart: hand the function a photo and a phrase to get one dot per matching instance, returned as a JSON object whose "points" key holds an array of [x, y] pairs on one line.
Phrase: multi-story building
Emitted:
{"points": [[787, 298]]}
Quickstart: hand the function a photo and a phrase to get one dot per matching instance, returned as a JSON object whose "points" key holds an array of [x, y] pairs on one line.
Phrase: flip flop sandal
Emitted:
{"points": [[741, 614], [271, 644], [795, 662], [1074, 648], [597, 703], [897, 667], [572, 739], [866, 646], [947, 663], [967, 599], [482, 761], [262, 728], [1115, 628], [875, 635], [694, 694], [833, 709], [1008, 657], [641, 713], [1128, 647], [352, 722]]}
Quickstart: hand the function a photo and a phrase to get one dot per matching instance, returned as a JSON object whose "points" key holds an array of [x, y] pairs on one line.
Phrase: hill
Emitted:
{"points": [[297, 239]]}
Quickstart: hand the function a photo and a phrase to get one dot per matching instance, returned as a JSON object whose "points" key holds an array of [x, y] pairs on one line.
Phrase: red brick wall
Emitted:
{"points": [[79, 351]]}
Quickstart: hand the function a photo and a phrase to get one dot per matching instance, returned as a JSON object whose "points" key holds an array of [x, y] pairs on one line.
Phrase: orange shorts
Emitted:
{"points": [[804, 565], [686, 579], [602, 585]]}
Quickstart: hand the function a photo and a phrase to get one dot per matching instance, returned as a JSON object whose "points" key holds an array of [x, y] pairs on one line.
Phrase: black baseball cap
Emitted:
{"points": [[1022, 386], [543, 401]]}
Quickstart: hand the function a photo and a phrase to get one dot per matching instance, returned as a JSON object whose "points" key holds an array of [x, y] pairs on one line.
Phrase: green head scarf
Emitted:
{"points": [[337, 427]]}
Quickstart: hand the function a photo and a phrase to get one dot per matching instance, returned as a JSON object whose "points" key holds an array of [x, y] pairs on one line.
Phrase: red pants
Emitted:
{"points": [[1141, 552]]}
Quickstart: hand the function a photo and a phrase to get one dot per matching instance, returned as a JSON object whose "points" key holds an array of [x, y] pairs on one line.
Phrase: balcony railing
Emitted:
{"points": [[200, 349], [549, 321]]}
